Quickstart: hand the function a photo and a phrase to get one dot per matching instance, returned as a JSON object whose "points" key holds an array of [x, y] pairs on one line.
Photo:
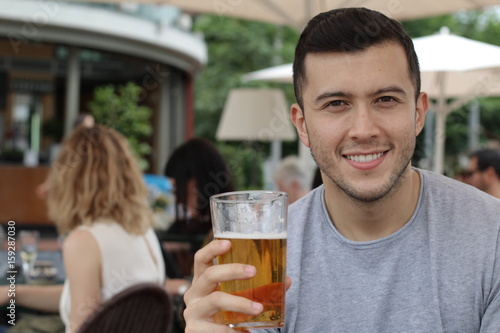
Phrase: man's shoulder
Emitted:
{"points": [[449, 196], [443, 184]]}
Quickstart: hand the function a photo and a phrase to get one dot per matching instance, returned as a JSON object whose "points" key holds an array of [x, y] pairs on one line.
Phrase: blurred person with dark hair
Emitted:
{"points": [[484, 171], [197, 171]]}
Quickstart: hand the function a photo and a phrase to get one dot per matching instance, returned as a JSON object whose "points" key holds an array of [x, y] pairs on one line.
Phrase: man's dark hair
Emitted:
{"points": [[350, 30], [486, 158]]}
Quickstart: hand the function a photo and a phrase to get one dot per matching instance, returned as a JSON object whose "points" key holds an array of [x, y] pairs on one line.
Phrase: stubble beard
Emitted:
{"points": [[324, 160]]}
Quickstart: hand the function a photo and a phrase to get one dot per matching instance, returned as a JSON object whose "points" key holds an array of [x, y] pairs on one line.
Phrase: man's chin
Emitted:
{"points": [[368, 193]]}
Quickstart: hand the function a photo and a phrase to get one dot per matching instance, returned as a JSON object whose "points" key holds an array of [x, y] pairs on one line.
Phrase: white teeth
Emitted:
{"points": [[364, 158]]}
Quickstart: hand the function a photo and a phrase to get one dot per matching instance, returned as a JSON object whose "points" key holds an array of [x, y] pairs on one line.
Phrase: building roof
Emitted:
{"points": [[103, 29]]}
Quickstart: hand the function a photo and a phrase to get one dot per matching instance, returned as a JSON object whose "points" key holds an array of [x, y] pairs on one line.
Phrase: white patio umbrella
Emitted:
{"points": [[297, 13], [452, 67], [459, 68], [281, 73]]}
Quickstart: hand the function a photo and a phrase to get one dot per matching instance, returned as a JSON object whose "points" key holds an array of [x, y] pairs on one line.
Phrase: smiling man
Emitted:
{"points": [[381, 246], [362, 121]]}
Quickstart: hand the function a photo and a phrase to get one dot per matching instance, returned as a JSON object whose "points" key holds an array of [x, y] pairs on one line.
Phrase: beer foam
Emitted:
{"points": [[237, 235]]}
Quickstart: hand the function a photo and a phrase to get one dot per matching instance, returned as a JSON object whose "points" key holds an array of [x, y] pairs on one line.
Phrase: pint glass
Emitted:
{"points": [[255, 222]]}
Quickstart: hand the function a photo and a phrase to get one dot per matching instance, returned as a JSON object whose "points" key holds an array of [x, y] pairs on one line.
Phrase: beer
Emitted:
{"points": [[267, 252], [255, 222]]}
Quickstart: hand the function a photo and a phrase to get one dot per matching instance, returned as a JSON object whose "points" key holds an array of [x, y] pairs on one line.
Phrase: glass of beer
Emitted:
{"points": [[256, 224]]}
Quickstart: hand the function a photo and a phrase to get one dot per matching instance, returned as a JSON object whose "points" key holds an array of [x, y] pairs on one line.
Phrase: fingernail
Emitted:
{"points": [[250, 270], [257, 307], [225, 243]]}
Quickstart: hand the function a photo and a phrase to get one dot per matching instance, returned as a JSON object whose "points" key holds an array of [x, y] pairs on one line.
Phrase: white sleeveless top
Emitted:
{"points": [[126, 261]]}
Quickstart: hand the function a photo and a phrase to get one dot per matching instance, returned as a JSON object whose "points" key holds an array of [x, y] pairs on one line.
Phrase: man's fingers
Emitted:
{"points": [[204, 301], [221, 301], [203, 326], [209, 280], [204, 258], [288, 283]]}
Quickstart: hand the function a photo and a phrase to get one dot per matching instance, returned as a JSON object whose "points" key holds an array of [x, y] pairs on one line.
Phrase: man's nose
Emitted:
{"points": [[364, 124]]}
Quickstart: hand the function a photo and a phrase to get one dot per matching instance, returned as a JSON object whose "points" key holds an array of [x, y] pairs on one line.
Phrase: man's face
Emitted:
{"points": [[360, 118]]}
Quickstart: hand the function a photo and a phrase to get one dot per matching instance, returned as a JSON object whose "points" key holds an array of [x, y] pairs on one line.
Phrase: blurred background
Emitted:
{"points": [[166, 72]]}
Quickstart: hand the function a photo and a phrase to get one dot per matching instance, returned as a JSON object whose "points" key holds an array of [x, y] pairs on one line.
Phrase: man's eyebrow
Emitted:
{"points": [[391, 89], [330, 94]]}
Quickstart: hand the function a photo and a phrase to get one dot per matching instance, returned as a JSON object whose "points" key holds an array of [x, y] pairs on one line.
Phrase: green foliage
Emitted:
{"points": [[53, 128], [429, 26], [12, 155], [118, 107], [236, 47], [457, 131], [490, 118], [244, 161]]}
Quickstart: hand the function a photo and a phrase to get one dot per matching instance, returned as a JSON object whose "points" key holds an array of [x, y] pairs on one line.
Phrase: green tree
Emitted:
{"points": [[242, 161], [118, 107], [236, 47]]}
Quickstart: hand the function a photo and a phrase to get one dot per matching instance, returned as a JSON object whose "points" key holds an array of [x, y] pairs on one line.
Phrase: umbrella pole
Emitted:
{"points": [[440, 134], [440, 137]]}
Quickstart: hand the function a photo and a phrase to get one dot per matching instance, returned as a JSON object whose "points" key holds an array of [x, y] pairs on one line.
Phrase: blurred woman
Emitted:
{"points": [[97, 198], [197, 170]]}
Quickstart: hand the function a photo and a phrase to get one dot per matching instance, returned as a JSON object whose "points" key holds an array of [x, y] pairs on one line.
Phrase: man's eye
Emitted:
{"points": [[387, 99], [336, 103]]}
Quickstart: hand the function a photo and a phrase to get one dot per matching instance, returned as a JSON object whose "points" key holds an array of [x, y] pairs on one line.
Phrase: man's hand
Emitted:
{"points": [[204, 301]]}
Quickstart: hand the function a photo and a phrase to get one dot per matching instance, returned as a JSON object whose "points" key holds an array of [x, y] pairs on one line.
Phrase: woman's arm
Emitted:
{"points": [[41, 298], [82, 262]]}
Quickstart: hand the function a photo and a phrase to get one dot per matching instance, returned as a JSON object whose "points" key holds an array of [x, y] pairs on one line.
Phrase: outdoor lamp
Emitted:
{"points": [[257, 114]]}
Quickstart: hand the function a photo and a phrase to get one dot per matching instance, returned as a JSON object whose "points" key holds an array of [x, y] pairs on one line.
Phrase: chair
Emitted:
{"points": [[144, 307]]}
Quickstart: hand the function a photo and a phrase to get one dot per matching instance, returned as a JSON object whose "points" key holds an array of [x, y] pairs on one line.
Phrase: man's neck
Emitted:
{"points": [[359, 221]]}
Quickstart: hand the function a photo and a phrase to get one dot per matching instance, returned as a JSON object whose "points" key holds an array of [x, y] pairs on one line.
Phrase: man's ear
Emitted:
{"points": [[421, 110], [299, 121]]}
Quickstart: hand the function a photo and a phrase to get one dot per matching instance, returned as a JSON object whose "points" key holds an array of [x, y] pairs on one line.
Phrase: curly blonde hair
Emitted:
{"points": [[96, 176]]}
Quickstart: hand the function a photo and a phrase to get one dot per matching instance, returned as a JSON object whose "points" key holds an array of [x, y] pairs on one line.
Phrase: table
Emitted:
{"points": [[48, 254], [54, 256]]}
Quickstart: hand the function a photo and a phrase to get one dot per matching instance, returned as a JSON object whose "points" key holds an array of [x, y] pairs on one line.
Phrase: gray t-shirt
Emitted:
{"points": [[439, 273]]}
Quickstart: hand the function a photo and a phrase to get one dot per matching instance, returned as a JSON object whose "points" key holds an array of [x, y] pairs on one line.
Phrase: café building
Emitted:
{"points": [[53, 54]]}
